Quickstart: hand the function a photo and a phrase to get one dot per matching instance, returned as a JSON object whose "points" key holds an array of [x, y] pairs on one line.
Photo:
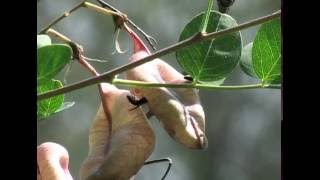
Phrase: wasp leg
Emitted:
{"points": [[137, 102]]}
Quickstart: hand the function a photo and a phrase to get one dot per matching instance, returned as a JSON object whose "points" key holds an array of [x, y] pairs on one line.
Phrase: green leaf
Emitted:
{"points": [[43, 40], [49, 106], [65, 105], [50, 61], [246, 61], [266, 56], [210, 60]]}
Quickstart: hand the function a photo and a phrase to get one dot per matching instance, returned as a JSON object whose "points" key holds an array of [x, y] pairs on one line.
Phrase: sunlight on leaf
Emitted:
{"points": [[43, 40], [50, 61], [49, 106], [266, 56], [214, 59]]}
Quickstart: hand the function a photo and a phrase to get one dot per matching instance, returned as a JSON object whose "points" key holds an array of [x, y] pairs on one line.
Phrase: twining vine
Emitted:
{"points": [[209, 48], [199, 37]]}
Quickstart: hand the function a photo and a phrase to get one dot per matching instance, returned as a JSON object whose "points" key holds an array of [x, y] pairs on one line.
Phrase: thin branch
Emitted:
{"points": [[245, 25], [109, 76], [152, 42], [83, 3], [64, 15], [102, 10], [58, 35], [131, 83], [74, 46]]}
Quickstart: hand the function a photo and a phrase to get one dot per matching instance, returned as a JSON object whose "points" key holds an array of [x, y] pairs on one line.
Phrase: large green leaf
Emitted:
{"points": [[215, 59], [246, 61], [49, 106], [50, 61], [43, 40], [266, 56]]}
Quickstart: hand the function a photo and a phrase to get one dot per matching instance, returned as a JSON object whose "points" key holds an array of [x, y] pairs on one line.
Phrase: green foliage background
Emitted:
{"points": [[243, 127]]}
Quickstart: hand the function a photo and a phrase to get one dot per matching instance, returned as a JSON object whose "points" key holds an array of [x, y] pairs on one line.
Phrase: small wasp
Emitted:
{"points": [[137, 102]]}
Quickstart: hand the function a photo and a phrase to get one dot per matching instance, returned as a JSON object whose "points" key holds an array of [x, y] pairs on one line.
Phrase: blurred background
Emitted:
{"points": [[243, 127]]}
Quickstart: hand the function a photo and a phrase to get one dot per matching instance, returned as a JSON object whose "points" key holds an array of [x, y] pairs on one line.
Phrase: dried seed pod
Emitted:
{"points": [[179, 110], [53, 160], [119, 141]]}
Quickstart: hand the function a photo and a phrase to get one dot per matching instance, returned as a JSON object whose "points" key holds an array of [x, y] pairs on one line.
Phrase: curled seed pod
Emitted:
{"points": [[119, 140], [53, 160], [179, 110]]}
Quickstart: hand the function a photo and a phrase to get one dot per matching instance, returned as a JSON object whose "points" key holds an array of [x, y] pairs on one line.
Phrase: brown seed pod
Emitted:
{"points": [[120, 140], [179, 110]]}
